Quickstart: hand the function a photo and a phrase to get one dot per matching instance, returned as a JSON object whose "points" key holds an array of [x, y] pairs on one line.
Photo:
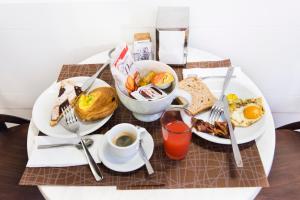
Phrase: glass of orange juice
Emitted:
{"points": [[176, 133]]}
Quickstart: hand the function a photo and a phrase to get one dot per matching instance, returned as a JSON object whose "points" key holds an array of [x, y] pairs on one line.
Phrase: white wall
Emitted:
{"points": [[37, 38]]}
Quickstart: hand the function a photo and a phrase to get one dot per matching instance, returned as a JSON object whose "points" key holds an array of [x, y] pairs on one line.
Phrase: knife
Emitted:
{"points": [[235, 147], [90, 81]]}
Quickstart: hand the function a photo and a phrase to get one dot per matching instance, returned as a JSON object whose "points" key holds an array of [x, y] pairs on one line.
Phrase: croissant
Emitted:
{"points": [[99, 103]]}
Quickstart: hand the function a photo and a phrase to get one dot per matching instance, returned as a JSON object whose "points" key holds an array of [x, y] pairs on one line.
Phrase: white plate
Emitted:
{"points": [[243, 135], [42, 109], [120, 165]]}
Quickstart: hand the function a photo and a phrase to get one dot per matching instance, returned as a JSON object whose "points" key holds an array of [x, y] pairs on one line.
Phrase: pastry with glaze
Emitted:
{"points": [[99, 103]]}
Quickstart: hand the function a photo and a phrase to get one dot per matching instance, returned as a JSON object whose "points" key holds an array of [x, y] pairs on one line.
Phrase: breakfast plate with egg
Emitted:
{"points": [[93, 110], [247, 113]]}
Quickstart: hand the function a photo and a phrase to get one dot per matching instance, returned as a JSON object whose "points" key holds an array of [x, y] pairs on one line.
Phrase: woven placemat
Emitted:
{"points": [[206, 165], [210, 64]]}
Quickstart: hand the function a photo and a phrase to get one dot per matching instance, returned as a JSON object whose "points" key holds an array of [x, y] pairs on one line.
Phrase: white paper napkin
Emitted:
{"points": [[171, 47], [207, 72], [62, 156]]}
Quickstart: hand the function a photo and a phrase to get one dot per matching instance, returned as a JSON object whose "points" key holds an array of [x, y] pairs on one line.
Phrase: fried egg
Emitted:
{"points": [[245, 112]]}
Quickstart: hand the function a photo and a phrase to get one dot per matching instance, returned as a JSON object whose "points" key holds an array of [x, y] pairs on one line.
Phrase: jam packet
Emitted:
{"points": [[148, 93], [123, 70]]}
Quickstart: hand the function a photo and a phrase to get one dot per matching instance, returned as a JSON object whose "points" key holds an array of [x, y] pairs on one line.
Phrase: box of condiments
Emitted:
{"points": [[142, 47]]}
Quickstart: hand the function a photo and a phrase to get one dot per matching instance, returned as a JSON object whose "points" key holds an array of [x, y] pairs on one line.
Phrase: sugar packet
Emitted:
{"points": [[123, 70]]}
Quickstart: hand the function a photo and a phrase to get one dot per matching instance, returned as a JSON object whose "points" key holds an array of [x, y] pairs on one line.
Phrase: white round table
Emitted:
{"points": [[265, 144]]}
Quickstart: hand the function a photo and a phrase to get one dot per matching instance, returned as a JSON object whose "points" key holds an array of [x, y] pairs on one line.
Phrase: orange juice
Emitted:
{"points": [[177, 136]]}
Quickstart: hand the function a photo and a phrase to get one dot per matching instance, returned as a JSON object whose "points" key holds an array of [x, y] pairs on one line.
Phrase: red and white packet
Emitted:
{"points": [[123, 70]]}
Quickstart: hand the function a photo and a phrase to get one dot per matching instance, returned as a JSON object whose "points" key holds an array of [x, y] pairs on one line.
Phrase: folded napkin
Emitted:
{"points": [[62, 156], [171, 47], [207, 72]]}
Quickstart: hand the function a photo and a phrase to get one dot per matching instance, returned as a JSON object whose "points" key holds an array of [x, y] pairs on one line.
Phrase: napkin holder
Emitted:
{"points": [[172, 31]]}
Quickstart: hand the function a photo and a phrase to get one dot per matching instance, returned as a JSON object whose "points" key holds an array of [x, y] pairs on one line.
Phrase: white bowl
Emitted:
{"points": [[149, 111]]}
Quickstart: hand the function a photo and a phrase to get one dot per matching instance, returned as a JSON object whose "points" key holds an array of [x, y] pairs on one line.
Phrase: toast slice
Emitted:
{"points": [[202, 97]]}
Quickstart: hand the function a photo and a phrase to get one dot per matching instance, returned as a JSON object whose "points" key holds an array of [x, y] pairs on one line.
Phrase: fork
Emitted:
{"points": [[72, 125], [217, 108]]}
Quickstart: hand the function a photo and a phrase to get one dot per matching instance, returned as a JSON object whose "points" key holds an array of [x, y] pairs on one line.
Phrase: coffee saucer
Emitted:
{"points": [[132, 163]]}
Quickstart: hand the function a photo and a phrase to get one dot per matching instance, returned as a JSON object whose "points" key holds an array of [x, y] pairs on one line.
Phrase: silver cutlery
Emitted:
{"points": [[89, 82], [217, 108], [235, 147], [144, 155], [88, 142], [72, 125], [147, 162]]}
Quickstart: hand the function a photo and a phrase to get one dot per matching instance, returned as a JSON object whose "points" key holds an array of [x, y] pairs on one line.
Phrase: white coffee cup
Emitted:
{"points": [[119, 151]]}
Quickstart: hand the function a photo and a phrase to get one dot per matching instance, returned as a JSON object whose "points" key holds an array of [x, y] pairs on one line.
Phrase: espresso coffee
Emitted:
{"points": [[124, 139]]}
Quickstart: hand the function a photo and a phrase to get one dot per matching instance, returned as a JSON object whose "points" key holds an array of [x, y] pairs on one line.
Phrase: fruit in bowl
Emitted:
{"points": [[132, 82], [98, 104], [162, 80], [147, 79]]}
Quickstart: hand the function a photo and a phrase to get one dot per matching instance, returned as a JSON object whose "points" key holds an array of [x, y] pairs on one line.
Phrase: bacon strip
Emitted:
{"points": [[219, 129]]}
